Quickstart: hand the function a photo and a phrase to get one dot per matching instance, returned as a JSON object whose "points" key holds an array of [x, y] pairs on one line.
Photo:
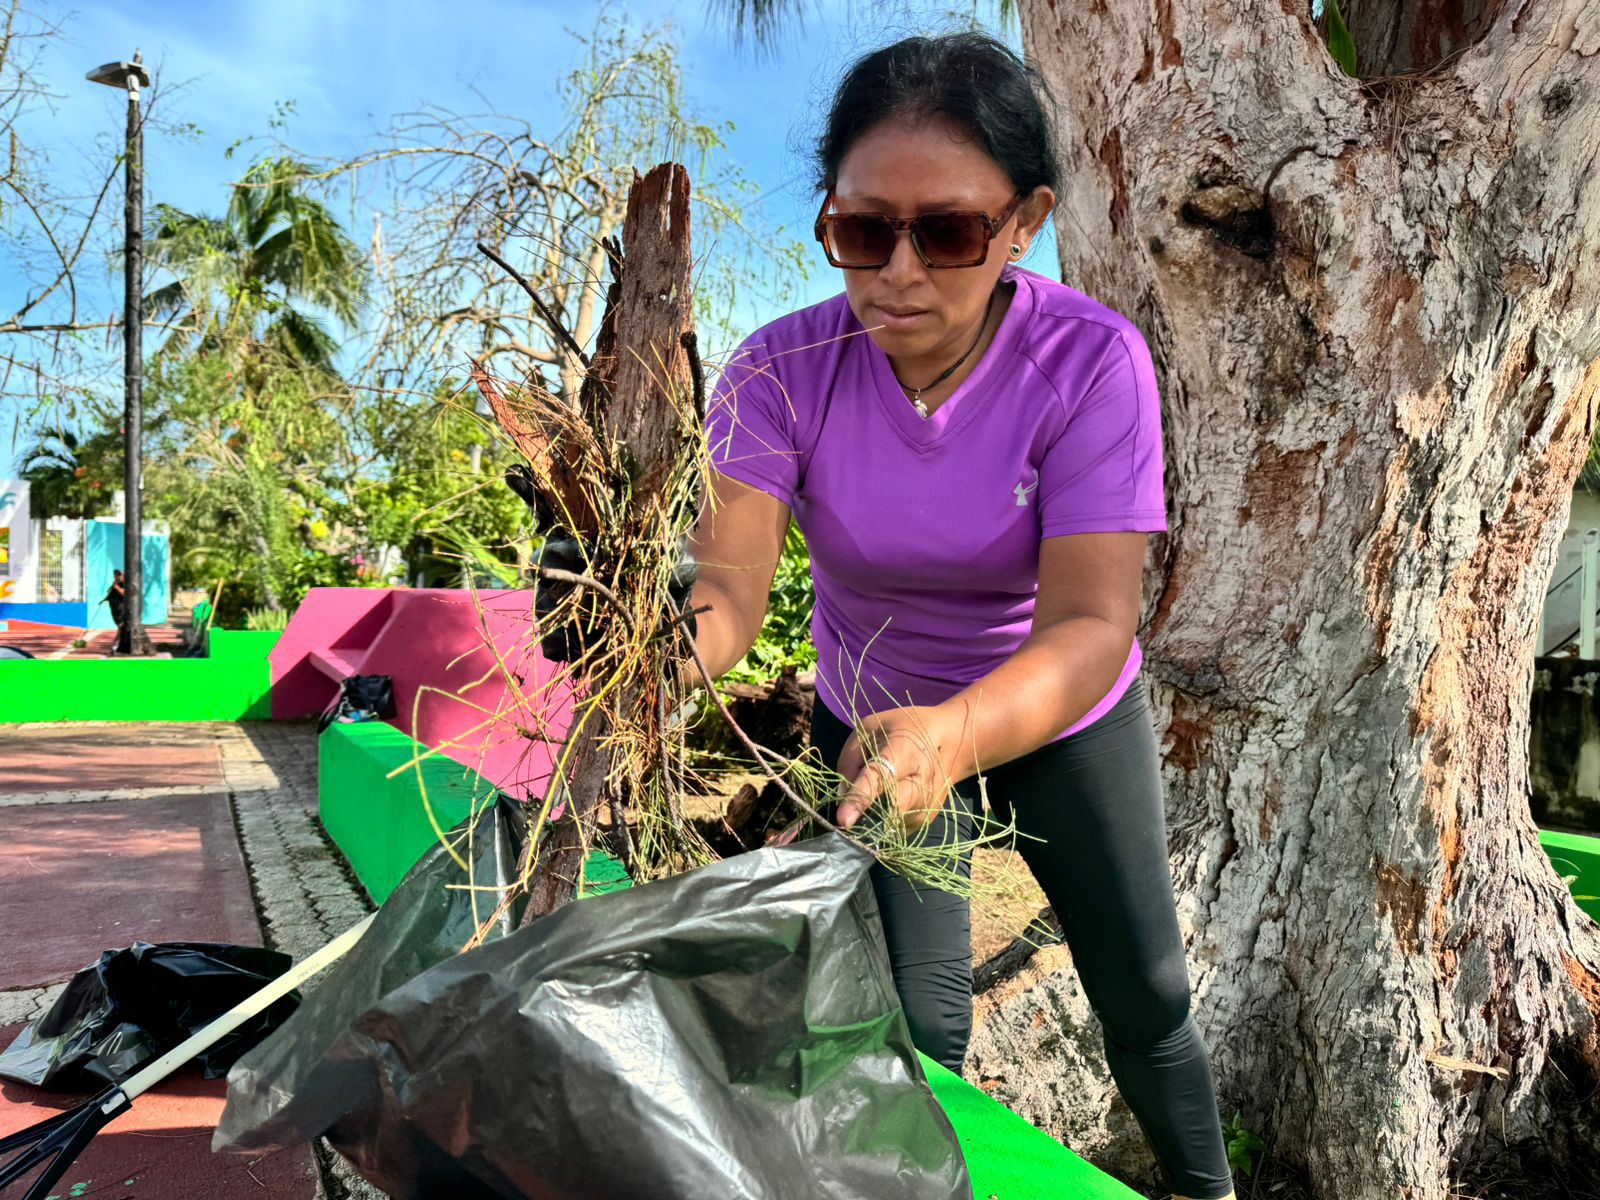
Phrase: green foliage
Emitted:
{"points": [[253, 440], [271, 484], [785, 638], [1589, 476], [1243, 1145], [73, 476], [437, 492], [267, 620], [261, 276], [1340, 44], [234, 603], [244, 450]]}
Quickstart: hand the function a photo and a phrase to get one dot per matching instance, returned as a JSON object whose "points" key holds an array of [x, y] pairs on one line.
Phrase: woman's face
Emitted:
{"points": [[903, 168]]}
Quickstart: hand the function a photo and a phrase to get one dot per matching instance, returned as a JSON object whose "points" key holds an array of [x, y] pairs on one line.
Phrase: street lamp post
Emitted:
{"points": [[133, 76]]}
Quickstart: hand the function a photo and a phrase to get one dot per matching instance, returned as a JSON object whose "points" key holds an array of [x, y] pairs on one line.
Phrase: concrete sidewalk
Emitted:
{"points": [[125, 832]]}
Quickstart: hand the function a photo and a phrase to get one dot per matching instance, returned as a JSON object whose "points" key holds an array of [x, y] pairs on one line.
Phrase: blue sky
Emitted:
{"points": [[349, 65]]}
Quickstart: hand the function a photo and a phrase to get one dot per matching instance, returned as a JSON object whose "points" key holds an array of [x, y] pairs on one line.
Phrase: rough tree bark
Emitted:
{"points": [[1374, 307]]}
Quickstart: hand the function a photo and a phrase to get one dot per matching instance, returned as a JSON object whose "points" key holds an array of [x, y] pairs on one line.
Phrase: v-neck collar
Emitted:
{"points": [[924, 433]]}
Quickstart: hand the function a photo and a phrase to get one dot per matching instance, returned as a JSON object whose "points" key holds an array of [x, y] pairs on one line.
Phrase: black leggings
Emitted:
{"points": [[1090, 807]]}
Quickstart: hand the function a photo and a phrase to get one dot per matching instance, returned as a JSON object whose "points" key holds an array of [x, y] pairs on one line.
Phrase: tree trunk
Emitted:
{"points": [[1392, 39], [1374, 307]]}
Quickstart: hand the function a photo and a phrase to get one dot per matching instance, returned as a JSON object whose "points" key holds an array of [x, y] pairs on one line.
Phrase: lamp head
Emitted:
{"points": [[115, 74]]}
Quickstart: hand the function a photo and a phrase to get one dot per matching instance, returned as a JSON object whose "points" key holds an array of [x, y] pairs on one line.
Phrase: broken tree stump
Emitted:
{"points": [[608, 468]]}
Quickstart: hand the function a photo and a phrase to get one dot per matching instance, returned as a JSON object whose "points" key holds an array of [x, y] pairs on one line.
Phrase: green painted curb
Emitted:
{"points": [[1008, 1158], [241, 643], [150, 689], [381, 824], [1575, 854]]}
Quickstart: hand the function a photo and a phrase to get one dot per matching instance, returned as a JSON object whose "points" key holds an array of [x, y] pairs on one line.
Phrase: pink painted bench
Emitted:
{"points": [[468, 677]]}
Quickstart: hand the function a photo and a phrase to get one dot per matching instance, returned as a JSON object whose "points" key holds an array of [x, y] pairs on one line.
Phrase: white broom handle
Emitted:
{"points": [[142, 1081]]}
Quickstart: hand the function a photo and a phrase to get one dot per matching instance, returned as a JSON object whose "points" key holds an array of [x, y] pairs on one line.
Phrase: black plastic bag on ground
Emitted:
{"points": [[138, 1003], [361, 698], [731, 1032]]}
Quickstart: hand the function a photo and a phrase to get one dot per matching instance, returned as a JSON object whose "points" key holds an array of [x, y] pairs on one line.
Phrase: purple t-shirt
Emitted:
{"points": [[925, 533]]}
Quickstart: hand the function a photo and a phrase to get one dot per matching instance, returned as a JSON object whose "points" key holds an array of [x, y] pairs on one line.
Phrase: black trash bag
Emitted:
{"points": [[361, 698], [136, 1004], [731, 1032]]}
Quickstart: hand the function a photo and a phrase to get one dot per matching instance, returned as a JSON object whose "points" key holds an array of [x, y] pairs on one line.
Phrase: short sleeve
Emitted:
{"points": [[1104, 473], [750, 424]]}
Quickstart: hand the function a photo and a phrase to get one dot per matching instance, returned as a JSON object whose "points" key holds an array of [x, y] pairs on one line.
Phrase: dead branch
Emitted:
{"points": [[557, 327], [557, 575], [565, 488]]}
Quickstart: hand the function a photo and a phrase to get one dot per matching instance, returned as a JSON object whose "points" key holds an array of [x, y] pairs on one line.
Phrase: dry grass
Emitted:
{"points": [[1008, 899]]}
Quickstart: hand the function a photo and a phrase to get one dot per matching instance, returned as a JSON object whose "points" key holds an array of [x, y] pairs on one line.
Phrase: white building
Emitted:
{"points": [[55, 571]]}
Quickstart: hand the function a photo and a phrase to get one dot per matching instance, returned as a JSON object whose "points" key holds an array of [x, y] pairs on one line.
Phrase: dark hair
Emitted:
{"points": [[967, 78]]}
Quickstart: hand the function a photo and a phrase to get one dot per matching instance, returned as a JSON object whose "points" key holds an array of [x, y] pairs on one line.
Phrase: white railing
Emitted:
{"points": [[1577, 589]]}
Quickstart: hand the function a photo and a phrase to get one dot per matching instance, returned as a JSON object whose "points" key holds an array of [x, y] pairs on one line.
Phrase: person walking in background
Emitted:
{"points": [[116, 599]]}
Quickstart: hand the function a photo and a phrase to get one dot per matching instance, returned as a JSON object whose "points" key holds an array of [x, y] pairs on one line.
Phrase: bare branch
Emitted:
{"points": [[555, 323]]}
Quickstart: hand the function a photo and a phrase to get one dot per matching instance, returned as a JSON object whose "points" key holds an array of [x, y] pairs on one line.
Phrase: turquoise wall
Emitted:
{"points": [[103, 555]]}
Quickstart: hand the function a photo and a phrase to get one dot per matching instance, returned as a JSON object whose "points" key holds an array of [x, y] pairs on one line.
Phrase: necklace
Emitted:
{"points": [[916, 392]]}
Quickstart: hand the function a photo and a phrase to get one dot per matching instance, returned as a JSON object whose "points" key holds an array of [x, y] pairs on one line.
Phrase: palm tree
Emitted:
{"points": [[259, 277], [71, 476], [254, 291]]}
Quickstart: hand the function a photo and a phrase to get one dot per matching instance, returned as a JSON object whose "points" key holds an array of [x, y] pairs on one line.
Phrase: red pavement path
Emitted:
{"points": [[76, 879], [42, 641], [161, 1150], [111, 757]]}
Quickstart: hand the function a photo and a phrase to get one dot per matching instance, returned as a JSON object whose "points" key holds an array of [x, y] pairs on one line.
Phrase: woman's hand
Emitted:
{"points": [[903, 753]]}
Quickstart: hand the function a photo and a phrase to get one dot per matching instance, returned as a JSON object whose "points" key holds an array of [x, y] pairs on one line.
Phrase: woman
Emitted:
{"points": [[974, 455]]}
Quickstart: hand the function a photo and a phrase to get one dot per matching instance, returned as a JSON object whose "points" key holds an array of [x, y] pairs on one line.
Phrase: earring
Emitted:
{"points": [[1016, 250]]}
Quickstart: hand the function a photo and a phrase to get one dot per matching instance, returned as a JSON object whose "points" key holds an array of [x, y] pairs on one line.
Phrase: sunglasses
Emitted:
{"points": [[941, 239]]}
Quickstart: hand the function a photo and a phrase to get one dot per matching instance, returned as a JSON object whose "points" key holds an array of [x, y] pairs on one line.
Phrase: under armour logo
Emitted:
{"points": [[1022, 489]]}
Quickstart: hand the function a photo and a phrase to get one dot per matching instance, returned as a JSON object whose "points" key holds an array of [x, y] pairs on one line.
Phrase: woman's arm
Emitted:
{"points": [[1084, 620], [737, 543]]}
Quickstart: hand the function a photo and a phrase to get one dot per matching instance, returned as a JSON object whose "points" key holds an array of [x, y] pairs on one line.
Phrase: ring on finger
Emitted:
{"points": [[888, 766]]}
